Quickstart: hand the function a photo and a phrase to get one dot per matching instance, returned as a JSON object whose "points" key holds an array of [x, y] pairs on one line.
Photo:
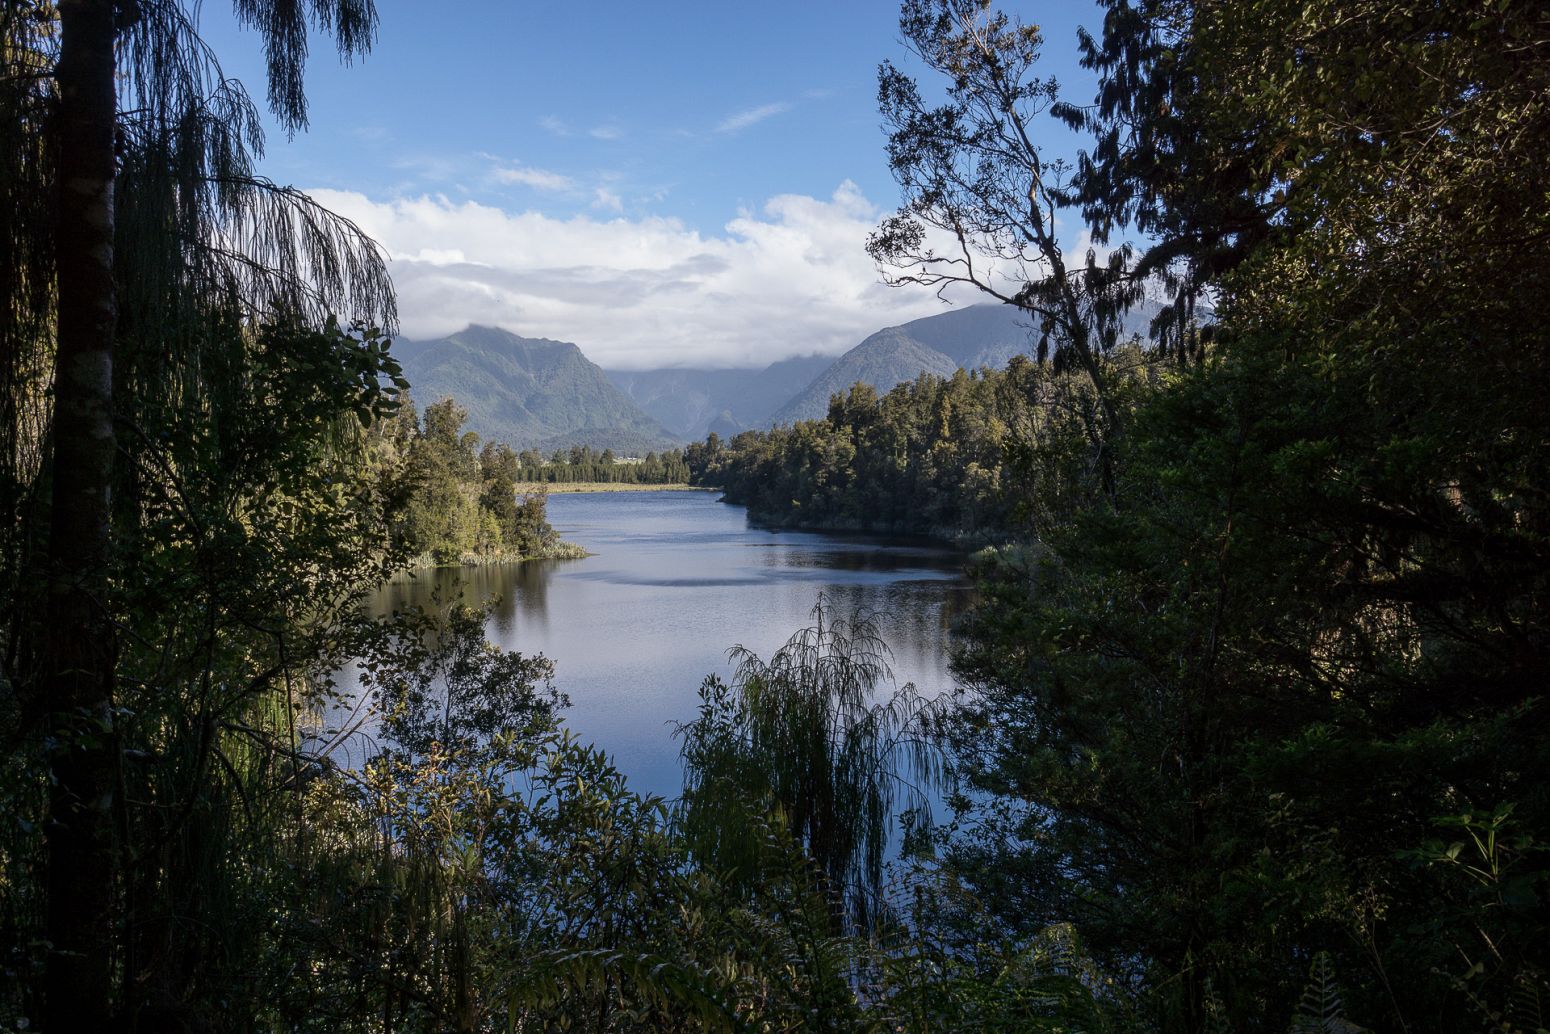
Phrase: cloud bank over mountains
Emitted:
{"points": [[789, 278]]}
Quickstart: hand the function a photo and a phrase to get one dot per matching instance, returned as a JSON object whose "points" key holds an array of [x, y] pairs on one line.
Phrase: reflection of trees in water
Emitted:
{"points": [[518, 591], [880, 559], [521, 592], [916, 620], [527, 592]]}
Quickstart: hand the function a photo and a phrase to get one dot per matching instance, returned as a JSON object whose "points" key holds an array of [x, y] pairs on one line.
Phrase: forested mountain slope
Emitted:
{"points": [[969, 338], [528, 392]]}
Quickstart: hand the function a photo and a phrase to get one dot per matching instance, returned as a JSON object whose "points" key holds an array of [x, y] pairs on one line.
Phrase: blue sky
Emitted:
{"points": [[668, 166]]}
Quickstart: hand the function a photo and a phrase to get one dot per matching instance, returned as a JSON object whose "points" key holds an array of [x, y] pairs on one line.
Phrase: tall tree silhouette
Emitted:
{"points": [[971, 170], [77, 666], [138, 274]]}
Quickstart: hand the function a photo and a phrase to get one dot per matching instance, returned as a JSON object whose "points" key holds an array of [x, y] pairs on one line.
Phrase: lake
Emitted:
{"points": [[678, 578]]}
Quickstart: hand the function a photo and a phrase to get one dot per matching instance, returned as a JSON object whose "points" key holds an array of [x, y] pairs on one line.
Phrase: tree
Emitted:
{"points": [[76, 669], [799, 738], [498, 492], [442, 513], [1217, 716], [225, 229], [970, 168], [496, 460], [531, 532], [1162, 165]]}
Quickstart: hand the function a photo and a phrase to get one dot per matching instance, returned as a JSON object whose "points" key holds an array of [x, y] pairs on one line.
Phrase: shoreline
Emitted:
{"points": [[578, 487], [559, 551], [967, 542]]}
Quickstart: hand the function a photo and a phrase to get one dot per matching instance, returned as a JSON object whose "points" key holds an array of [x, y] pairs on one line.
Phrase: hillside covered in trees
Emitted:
{"points": [[962, 458], [1251, 734], [452, 501], [530, 392], [691, 402]]}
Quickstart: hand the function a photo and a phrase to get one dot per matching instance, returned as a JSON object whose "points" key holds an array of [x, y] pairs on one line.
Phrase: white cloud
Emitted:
{"points": [[559, 127], [790, 278], [538, 179], [607, 200], [438, 257], [752, 116]]}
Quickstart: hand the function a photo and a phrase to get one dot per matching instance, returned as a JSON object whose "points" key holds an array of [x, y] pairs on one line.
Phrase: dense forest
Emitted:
{"points": [[582, 463], [953, 457], [1251, 733]]}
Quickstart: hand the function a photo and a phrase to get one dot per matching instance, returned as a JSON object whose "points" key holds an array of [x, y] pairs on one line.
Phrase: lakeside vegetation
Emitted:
{"points": [[581, 464], [956, 457], [453, 502], [1252, 733], [592, 487]]}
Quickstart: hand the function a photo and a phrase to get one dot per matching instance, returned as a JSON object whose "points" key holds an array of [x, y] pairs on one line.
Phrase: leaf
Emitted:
{"points": [[1320, 1011]]}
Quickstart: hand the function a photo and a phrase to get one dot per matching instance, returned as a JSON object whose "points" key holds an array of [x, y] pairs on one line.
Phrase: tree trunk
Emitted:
{"points": [[76, 681]]}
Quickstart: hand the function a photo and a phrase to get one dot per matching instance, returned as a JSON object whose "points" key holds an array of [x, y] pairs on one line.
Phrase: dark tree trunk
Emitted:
{"points": [[76, 681]]}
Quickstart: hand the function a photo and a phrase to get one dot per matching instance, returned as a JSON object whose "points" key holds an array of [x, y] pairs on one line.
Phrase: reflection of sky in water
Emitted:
{"points": [[677, 579]]}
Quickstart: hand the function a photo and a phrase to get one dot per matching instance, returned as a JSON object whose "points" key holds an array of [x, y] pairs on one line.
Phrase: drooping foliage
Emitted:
{"points": [[802, 737], [151, 275]]}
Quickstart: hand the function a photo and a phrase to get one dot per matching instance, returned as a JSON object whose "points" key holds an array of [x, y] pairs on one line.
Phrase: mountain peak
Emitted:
{"points": [[528, 392], [501, 336]]}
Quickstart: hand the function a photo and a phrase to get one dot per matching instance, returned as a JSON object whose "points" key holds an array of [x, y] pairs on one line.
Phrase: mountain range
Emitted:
{"points": [[529, 392], [970, 337], [692, 402], [538, 393]]}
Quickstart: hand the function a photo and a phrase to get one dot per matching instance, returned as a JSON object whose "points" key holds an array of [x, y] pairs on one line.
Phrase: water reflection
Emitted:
{"points": [[677, 579]]}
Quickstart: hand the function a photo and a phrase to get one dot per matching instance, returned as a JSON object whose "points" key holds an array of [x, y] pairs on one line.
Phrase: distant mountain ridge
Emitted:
{"points": [[883, 360], [544, 394], [989, 334], [691, 402], [529, 392]]}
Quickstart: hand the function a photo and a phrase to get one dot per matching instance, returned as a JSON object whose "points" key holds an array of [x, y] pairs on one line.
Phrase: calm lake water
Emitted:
{"points": [[677, 579]]}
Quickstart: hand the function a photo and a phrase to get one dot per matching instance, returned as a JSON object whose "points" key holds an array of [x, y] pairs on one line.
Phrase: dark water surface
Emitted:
{"points": [[677, 579]]}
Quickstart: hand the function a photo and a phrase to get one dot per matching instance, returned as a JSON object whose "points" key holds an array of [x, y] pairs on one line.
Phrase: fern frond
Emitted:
{"points": [[1321, 1011]]}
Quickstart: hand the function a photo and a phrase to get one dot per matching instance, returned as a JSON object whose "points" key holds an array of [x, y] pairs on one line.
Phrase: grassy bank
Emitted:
{"points": [[558, 551], [605, 486]]}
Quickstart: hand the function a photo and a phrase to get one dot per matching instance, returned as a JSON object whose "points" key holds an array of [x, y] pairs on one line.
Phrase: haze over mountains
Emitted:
{"points": [[538, 393], [693, 402]]}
